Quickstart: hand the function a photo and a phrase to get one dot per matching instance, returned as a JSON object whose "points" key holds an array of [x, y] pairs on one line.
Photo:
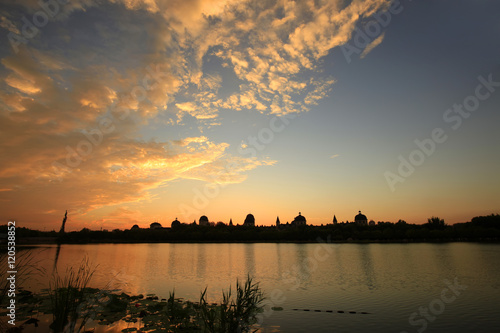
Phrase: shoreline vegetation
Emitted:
{"points": [[70, 305], [479, 229]]}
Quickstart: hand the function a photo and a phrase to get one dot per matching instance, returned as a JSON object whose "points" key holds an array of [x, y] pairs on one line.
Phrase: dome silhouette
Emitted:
{"points": [[175, 223], [299, 220], [203, 220], [155, 225], [361, 219], [249, 220]]}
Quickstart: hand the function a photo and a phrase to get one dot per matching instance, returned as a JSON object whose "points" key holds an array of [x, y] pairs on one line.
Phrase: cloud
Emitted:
{"points": [[279, 61], [195, 111], [121, 171], [7, 24], [372, 45], [319, 92], [226, 170], [189, 140], [335, 156]]}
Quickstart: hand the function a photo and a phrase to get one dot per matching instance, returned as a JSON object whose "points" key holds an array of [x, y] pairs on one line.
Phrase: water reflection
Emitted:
{"points": [[366, 263], [445, 259], [279, 267], [201, 261], [373, 277], [58, 250], [250, 259], [151, 262], [340, 275], [171, 259]]}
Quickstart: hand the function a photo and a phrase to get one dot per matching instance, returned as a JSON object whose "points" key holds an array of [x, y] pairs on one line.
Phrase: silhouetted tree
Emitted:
{"points": [[490, 221], [435, 223]]}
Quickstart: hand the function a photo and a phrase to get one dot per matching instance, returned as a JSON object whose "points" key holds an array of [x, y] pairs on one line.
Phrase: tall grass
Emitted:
{"points": [[26, 267], [68, 294], [233, 315]]}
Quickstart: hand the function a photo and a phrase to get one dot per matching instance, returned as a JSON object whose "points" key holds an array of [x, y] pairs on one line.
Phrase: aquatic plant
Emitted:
{"points": [[233, 314], [73, 305]]}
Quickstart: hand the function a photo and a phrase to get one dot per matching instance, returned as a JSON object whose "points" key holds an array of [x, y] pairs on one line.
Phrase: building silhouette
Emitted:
{"points": [[299, 220], [175, 223], [203, 221], [249, 221], [155, 225], [360, 219]]}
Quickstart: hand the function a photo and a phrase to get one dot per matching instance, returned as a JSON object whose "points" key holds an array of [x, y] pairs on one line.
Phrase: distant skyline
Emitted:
{"points": [[129, 112], [282, 221]]}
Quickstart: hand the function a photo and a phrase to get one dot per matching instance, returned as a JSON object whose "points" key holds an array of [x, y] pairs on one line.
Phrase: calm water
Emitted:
{"points": [[389, 281]]}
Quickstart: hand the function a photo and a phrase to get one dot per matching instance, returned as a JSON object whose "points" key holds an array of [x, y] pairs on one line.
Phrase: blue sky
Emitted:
{"points": [[223, 108]]}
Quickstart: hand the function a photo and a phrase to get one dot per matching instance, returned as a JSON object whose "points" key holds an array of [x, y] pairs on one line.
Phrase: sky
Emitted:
{"points": [[129, 112]]}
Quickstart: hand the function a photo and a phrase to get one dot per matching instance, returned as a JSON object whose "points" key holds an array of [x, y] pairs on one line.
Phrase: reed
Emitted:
{"points": [[233, 314], [68, 295]]}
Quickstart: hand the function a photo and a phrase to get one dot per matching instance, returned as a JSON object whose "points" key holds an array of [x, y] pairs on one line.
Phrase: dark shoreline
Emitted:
{"points": [[54, 241], [482, 229]]}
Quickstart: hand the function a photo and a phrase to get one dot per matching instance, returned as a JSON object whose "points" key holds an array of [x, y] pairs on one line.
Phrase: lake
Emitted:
{"points": [[450, 287]]}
